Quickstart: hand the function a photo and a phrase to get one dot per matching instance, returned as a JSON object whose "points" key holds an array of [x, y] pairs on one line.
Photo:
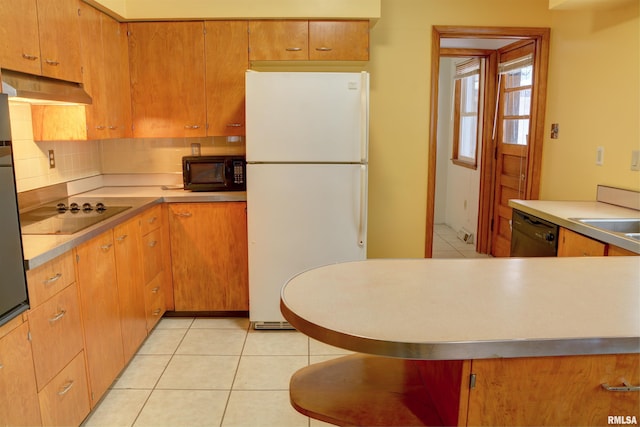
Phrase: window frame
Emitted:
{"points": [[467, 68]]}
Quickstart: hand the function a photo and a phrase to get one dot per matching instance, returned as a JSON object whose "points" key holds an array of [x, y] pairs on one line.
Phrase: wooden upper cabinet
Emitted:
{"points": [[227, 43], [20, 49], [278, 40], [167, 79], [339, 40], [59, 24], [308, 40], [116, 62]]}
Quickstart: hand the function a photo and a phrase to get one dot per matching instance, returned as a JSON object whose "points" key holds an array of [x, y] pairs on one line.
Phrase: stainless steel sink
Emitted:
{"points": [[630, 227]]}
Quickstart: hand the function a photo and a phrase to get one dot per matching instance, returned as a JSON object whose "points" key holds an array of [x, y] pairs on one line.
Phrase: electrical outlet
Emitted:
{"points": [[195, 149], [52, 159]]}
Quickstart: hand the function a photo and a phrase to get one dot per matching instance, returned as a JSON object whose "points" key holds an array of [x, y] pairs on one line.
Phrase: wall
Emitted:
{"points": [[74, 159], [594, 95]]}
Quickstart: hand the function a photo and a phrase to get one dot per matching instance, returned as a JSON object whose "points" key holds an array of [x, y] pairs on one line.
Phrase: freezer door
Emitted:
{"points": [[300, 217], [307, 117]]}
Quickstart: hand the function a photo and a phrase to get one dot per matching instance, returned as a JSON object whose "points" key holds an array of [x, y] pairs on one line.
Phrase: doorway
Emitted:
{"points": [[495, 43]]}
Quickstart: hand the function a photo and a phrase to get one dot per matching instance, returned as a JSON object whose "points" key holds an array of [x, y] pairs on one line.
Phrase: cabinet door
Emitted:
{"points": [[129, 263], [59, 29], [209, 256], [574, 244], [18, 396], [339, 40], [278, 40], [100, 312], [20, 50], [227, 43], [553, 391], [118, 89], [167, 79], [613, 250], [50, 278]]}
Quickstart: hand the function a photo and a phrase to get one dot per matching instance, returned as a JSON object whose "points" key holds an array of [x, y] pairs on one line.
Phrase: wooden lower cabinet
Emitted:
{"points": [[574, 244], [209, 256], [96, 270], [65, 400], [618, 251], [18, 395]]}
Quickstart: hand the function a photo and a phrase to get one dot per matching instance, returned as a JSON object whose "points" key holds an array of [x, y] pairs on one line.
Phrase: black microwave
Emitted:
{"points": [[214, 173]]}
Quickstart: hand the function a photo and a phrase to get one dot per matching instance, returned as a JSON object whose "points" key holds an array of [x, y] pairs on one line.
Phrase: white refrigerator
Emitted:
{"points": [[306, 149]]}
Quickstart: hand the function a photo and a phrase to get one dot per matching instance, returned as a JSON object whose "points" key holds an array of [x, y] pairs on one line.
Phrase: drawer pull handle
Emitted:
{"points": [[101, 127], [156, 311], [58, 316], [293, 49], [324, 49], [106, 247], [192, 126], [29, 57], [183, 214], [52, 62], [121, 238], [155, 290], [113, 127], [153, 243], [626, 387], [234, 125], [65, 388], [53, 279], [152, 220], [1, 366]]}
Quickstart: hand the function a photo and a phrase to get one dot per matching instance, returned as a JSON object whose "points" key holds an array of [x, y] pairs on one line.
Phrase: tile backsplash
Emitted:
{"points": [[76, 160]]}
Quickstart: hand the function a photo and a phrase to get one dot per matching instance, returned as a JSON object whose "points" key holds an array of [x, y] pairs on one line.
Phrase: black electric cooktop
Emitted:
{"points": [[66, 218]]}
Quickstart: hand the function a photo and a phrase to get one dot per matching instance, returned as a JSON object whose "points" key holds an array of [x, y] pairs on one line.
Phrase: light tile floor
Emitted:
{"points": [[447, 245], [211, 372]]}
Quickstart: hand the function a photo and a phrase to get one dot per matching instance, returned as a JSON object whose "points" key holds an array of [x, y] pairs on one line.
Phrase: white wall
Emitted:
{"points": [[457, 187]]}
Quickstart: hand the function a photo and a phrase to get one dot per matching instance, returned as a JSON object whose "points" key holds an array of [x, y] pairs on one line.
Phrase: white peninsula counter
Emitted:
{"points": [[470, 342]]}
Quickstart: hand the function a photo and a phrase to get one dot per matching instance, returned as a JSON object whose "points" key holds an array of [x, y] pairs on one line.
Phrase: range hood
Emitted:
{"points": [[42, 90]]}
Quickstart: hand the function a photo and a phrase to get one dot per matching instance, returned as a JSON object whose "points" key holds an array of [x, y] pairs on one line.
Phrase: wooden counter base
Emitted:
{"points": [[363, 390]]}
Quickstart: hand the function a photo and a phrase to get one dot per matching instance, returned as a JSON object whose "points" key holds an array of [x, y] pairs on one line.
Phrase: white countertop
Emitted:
{"points": [[563, 213], [471, 308], [39, 249]]}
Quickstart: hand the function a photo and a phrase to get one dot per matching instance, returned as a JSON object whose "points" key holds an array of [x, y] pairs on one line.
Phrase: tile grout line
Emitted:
{"points": [[226, 405]]}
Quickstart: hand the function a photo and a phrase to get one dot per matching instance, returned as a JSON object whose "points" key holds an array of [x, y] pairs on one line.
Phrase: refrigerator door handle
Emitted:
{"points": [[363, 207], [364, 118]]}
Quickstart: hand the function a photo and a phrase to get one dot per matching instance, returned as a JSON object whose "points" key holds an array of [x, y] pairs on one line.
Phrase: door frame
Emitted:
{"points": [[541, 38]]}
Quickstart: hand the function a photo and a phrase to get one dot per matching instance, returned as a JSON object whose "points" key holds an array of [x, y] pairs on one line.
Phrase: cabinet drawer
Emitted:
{"points": [[45, 281], [151, 219], [65, 400], [152, 254], [154, 300], [56, 334]]}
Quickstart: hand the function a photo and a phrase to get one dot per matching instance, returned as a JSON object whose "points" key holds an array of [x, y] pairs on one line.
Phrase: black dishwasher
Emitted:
{"points": [[532, 236]]}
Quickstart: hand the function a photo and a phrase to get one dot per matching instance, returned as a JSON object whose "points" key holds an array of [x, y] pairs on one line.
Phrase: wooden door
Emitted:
{"points": [[277, 40], [339, 40], [167, 79], [18, 395], [128, 254], [96, 269], [227, 43], [118, 89], [20, 49], [59, 27], [513, 127], [209, 256]]}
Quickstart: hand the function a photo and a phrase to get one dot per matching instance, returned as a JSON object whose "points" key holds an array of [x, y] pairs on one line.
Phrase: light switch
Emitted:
{"points": [[600, 156], [635, 160]]}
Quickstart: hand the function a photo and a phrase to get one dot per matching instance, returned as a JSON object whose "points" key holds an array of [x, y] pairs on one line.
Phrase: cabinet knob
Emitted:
{"points": [[121, 238], [156, 311], [65, 388], [155, 290], [293, 49], [153, 243], [152, 220], [57, 316], [52, 279], [192, 126], [106, 247], [183, 214], [234, 125], [52, 62], [101, 127], [625, 387], [324, 49], [29, 57]]}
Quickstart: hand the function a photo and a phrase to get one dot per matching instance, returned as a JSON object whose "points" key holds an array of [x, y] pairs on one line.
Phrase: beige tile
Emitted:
{"points": [[262, 409], [267, 372], [179, 408], [163, 341], [319, 348], [276, 343], [240, 323], [118, 408], [218, 342], [199, 372], [143, 371], [324, 358], [175, 323]]}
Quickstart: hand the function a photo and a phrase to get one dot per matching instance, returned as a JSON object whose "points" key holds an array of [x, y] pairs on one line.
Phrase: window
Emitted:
{"points": [[518, 79], [466, 108]]}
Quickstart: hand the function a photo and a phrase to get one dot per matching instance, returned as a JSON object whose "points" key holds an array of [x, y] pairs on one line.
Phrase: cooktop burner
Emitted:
{"points": [[66, 218]]}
